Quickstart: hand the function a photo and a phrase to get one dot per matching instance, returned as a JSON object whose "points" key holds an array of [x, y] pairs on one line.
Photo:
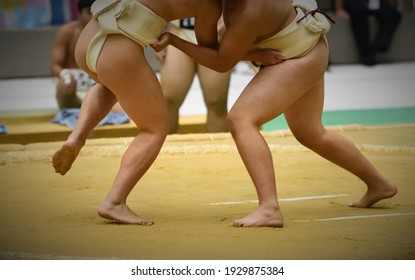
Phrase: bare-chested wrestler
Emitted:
{"points": [[71, 82], [63, 65], [294, 88], [177, 72], [110, 49]]}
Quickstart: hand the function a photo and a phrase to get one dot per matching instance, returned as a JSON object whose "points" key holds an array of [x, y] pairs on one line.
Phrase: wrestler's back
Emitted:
{"points": [[69, 33], [179, 9], [265, 17]]}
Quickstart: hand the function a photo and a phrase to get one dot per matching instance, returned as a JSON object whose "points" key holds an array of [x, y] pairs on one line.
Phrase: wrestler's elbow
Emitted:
{"points": [[223, 70], [223, 66]]}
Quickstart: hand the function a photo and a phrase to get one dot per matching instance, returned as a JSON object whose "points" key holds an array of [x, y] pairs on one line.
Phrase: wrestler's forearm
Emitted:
{"points": [[265, 57], [205, 56], [256, 55], [56, 70], [56, 61], [338, 5]]}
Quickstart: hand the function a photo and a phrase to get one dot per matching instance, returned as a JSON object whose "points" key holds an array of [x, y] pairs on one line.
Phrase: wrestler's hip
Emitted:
{"points": [[84, 40], [119, 43]]}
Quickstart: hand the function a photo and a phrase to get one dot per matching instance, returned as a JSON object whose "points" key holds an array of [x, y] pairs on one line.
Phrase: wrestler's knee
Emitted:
{"points": [[158, 134], [308, 137], [238, 121], [173, 102], [63, 89], [217, 106], [156, 124], [231, 122]]}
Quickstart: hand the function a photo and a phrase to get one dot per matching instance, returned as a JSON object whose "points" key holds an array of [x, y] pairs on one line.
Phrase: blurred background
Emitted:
{"points": [[355, 93]]}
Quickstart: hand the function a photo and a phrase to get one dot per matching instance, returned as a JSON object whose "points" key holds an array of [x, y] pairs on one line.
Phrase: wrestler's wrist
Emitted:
{"points": [[172, 39]]}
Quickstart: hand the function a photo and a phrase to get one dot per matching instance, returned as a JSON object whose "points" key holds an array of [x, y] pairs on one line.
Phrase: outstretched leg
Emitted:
{"points": [[96, 105], [295, 88], [304, 119], [124, 76]]}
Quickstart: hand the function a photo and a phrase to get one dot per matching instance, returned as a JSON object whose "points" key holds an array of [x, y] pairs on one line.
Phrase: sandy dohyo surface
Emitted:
{"points": [[195, 189]]}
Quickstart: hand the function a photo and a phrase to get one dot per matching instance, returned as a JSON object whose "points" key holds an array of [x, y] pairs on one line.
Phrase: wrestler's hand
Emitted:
{"points": [[341, 13], [66, 84], [161, 55], [163, 42], [266, 57], [67, 79]]}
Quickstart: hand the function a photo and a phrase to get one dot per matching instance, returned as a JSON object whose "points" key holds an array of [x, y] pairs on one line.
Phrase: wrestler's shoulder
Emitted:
{"points": [[71, 29]]}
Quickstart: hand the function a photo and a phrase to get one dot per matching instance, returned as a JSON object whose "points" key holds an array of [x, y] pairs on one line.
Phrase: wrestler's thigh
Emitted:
{"points": [[215, 85], [306, 112], [275, 89], [82, 46], [177, 73], [124, 70], [304, 116]]}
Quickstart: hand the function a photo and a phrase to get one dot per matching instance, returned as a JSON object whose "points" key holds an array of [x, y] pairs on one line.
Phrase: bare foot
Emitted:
{"points": [[261, 217], [376, 194], [122, 214], [63, 158]]}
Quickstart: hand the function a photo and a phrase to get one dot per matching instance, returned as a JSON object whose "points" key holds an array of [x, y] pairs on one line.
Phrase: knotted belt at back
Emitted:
{"points": [[316, 20], [108, 11], [127, 17]]}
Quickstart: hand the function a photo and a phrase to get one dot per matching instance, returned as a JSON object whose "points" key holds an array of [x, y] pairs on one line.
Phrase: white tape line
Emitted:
{"points": [[357, 217], [231, 202], [312, 197], [32, 256], [281, 200], [364, 217]]}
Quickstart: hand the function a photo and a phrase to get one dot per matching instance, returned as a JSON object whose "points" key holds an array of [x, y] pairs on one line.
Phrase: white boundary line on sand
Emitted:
{"points": [[9, 255], [281, 200], [356, 217]]}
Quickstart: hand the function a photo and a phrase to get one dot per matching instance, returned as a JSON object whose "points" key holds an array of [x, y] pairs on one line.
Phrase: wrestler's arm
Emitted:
{"points": [[263, 57], [339, 8], [59, 50], [235, 45], [161, 55], [206, 26]]}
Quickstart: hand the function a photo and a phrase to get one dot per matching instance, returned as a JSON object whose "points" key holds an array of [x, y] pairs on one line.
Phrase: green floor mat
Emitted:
{"points": [[364, 117]]}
